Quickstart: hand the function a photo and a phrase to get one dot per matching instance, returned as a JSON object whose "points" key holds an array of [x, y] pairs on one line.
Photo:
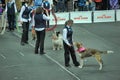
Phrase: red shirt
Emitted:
{"points": [[98, 0]]}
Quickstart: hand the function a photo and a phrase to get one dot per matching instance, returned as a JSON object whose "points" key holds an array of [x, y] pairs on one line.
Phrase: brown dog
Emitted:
{"points": [[88, 52]]}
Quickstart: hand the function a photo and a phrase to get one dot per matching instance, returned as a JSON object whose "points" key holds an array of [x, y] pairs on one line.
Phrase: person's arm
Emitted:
{"points": [[65, 37], [21, 12], [6, 8], [15, 7], [46, 17], [33, 21]]}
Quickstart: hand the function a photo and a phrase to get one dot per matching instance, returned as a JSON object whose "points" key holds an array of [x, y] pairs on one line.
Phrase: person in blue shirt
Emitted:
{"points": [[81, 5], [37, 3]]}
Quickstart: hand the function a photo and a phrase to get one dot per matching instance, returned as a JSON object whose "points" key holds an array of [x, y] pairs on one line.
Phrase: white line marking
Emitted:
{"points": [[56, 62], [60, 65], [14, 65], [2, 56], [21, 54]]}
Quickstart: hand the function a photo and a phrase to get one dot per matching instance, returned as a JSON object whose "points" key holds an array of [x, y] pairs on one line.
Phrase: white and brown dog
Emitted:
{"points": [[57, 40], [88, 52]]}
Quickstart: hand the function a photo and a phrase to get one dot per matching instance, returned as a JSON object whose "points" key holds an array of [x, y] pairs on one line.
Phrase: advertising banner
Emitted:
{"points": [[61, 18], [104, 16], [81, 17], [118, 15]]}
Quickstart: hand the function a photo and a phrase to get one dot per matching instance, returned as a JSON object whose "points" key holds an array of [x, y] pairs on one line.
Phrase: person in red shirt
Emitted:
{"points": [[98, 4]]}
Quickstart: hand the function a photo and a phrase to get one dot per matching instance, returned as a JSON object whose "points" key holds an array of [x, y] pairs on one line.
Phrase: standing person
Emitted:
{"points": [[39, 23], [25, 19], [46, 6], [68, 44], [11, 10]]}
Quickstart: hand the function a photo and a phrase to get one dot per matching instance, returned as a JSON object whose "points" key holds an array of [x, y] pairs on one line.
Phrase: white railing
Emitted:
{"points": [[87, 16]]}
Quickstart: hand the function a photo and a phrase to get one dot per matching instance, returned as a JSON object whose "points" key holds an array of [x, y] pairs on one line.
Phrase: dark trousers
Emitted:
{"points": [[69, 51], [25, 27], [40, 41], [11, 22]]}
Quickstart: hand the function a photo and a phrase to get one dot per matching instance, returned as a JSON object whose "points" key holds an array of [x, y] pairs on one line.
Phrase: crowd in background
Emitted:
{"points": [[79, 5], [97, 4]]}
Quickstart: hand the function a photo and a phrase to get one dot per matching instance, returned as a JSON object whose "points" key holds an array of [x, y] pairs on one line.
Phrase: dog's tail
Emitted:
{"points": [[110, 51], [107, 52]]}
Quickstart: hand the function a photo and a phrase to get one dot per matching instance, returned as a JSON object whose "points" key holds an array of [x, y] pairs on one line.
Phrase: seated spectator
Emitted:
{"points": [[98, 4], [55, 4], [114, 4], [92, 5], [81, 5], [86, 7], [75, 4], [60, 5]]}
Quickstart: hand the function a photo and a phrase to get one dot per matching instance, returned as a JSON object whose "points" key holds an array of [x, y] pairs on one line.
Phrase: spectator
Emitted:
{"points": [[114, 4], [81, 5], [86, 7], [60, 5], [92, 5], [75, 4], [55, 4], [98, 4], [37, 3]]}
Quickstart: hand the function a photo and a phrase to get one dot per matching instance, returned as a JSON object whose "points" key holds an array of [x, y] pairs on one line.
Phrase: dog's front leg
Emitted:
{"points": [[58, 48], [81, 63], [53, 47]]}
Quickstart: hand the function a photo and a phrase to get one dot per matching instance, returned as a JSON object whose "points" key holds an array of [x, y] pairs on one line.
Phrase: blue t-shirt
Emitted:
{"points": [[37, 2]]}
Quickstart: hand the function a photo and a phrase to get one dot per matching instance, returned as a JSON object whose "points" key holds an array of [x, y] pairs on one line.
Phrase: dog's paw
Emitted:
{"points": [[80, 66], [58, 48], [53, 49], [100, 68], [109, 51]]}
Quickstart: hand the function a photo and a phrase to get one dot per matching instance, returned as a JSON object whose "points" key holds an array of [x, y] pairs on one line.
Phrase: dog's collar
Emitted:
{"points": [[81, 49]]}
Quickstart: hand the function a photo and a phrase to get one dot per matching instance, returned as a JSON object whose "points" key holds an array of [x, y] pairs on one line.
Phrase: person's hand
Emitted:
{"points": [[70, 45], [46, 11], [21, 22]]}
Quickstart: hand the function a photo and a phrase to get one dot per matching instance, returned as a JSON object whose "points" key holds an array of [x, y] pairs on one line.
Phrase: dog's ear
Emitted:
{"points": [[59, 32]]}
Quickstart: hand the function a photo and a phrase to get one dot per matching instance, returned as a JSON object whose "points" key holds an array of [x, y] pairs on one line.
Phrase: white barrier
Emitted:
{"points": [[117, 15], [81, 17], [104, 16], [61, 18], [87, 17]]}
